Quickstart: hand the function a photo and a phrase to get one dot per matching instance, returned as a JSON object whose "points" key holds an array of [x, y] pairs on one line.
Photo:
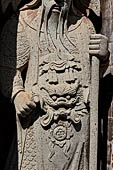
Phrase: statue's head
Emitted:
{"points": [[79, 4], [64, 8], [58, 3]]}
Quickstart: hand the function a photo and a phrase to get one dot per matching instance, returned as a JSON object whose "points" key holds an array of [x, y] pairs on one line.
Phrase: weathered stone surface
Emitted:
{"points": [[54, 100]]}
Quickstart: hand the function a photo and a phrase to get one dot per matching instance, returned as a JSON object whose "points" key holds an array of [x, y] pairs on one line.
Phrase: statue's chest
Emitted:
{"points": [[74, 41], [65, 58]]}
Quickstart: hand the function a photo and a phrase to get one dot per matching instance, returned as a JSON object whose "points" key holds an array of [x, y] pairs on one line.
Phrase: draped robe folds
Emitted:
{"points": [[56, 135]]}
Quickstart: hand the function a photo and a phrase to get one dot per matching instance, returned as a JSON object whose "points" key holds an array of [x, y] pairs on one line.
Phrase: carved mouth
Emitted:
{"points": [[56, 8], [62, 100]]}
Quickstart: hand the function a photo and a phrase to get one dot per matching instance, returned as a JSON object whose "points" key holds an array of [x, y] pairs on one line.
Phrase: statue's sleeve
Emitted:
{"points": [[14, 56]]}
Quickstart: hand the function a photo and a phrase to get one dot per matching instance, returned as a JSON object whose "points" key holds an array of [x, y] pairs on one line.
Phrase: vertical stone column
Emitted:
{"points": [[107, 29]]}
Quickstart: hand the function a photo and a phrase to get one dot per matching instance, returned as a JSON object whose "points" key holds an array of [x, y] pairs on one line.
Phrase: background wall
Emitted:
{"points": [[107, 29]]}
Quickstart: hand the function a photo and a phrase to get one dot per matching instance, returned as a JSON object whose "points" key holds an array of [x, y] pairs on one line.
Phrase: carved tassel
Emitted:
{"points": [[67, 75], [55, 80], [75, 74], [71, 75], [50, 75]]}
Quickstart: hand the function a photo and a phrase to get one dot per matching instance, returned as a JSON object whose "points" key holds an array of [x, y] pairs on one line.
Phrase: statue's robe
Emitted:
{"points": [[60, 140]]}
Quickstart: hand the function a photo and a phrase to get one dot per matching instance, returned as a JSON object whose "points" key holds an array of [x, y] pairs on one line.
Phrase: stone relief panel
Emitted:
{"points": [[53, 42]]}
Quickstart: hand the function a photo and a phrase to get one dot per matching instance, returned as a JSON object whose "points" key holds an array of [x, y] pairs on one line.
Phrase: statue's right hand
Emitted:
{"points": [[24, 104]]}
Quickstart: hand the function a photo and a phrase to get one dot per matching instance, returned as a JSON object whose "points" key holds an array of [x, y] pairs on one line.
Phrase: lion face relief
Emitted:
{"points": [[61, 91]]}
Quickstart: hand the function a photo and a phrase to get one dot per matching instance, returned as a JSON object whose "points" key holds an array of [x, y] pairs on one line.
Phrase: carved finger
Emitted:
{"points": [[32, 105], [94, 52], [94, 47], [36, 99], [93, 41], [104, 37], [27, 109], [19, 107], [96, 36], [22, 113]]}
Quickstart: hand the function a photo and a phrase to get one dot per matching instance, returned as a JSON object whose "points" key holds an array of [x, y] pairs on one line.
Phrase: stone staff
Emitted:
{"points": [[94, 102], [94, 113]]}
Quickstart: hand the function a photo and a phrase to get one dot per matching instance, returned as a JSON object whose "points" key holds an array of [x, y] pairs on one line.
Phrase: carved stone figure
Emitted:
{"points": [[53, 41]]}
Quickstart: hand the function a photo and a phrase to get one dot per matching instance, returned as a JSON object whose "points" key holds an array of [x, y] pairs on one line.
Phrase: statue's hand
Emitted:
{"points": [[98, 46], [24, 104]]}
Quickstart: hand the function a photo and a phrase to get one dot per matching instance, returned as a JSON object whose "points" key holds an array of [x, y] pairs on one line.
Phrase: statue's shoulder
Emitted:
{"points": [[82, 25], [30, 17], [87, 22]]}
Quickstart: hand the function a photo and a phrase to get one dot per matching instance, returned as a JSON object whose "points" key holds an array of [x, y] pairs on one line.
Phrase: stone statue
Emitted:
{"points": [[45, 63]]}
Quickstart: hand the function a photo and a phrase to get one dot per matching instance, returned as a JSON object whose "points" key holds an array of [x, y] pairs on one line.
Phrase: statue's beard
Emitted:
{"points": [[47, 7]]}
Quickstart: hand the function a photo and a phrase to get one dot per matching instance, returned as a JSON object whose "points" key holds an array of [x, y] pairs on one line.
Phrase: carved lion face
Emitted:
{"points": [[61, 95], [60, 88], [64, 101]]}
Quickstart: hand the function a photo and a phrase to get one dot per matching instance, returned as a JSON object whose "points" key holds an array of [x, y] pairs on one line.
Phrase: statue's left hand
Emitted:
{"points": [[98, 46]]}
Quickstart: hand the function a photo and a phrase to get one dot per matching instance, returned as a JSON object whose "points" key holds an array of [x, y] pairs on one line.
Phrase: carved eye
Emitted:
{"points": [[68, 97], [54, 98]]}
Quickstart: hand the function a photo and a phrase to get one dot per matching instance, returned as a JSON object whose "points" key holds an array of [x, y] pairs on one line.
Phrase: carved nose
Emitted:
{"points": [[62, 99]]}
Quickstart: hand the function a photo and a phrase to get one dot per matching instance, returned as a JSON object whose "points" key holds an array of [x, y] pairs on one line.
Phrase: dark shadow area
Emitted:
{"points": [[96, 20], [4, 17], [7, 128], [7, 110], [105, 99]]}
